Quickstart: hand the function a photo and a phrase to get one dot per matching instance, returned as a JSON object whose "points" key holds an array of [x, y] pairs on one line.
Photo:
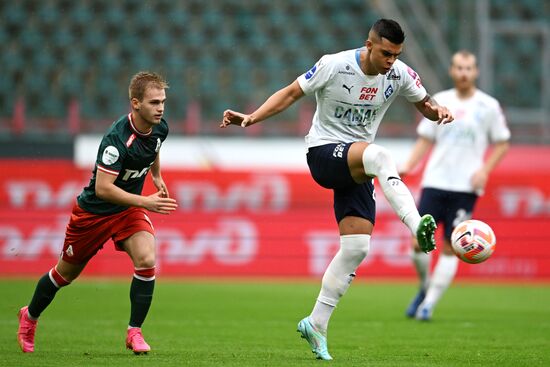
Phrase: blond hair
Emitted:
{"points": [[142, 80]]}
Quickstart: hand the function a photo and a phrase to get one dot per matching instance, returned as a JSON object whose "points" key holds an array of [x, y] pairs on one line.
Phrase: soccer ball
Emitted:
{"points": [[473, 241]]}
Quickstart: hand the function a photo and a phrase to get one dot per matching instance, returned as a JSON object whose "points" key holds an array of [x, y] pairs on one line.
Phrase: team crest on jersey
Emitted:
{"points": [[388, 92], [110, 155], [311, 71], [157, 148]]}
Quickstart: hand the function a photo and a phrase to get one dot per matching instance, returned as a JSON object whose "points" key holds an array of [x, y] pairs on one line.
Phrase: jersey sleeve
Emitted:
{"points": [[111, 154], [318, 76], [427, 129], [412, 87], [499, 130]]}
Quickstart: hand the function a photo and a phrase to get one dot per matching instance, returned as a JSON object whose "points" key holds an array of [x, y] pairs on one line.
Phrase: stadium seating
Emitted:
{"points": [[220, 53]]}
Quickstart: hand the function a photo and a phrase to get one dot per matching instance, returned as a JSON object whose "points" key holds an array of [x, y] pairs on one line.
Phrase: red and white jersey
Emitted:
{"points": [[351, 104], [459, 147]]}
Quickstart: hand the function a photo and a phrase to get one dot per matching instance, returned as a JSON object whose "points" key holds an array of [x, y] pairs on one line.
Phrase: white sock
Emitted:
{"points": [[377, 161], [443, 274], [422, 262], [338, 277]]}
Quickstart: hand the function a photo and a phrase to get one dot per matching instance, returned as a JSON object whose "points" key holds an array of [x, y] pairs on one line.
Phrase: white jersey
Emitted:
{"points": [[351, 104], [459, 147]]}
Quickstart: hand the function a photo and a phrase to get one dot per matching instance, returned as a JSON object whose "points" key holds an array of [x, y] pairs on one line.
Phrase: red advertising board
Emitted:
{"points": [[263, 223]]}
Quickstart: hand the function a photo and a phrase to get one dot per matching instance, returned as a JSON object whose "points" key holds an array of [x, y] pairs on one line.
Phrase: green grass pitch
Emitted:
{"points": [[253, 323]]}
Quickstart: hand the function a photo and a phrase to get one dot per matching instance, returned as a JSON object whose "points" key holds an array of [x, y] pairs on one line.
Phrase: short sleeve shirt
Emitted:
{"points": [[460, 146], [351, 104], [127, 154]]}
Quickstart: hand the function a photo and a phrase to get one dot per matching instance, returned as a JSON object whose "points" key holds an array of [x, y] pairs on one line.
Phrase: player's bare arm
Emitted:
{"points": [[157, 178], [278, 102], [480, 177], [420, 149], [433, 111], [106, 189]]}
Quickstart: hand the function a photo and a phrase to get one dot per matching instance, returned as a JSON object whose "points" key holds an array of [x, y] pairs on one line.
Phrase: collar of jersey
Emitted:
{"points": [[134, 129]]}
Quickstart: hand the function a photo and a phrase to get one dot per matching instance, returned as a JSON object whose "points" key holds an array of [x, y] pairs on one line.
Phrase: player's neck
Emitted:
{"points": [[466, 92], [366, 66], [140, 124]]}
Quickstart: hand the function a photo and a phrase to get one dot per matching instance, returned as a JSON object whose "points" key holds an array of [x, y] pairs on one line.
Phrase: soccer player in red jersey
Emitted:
{"points": [[111, 206]]}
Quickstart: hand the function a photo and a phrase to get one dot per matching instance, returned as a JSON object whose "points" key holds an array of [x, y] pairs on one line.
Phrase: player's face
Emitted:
{"points": [[151, 108], [463, 71], [383, 54]]}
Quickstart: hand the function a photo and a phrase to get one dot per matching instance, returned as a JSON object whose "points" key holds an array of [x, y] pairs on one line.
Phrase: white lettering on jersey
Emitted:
{"points": [[134, 173]]}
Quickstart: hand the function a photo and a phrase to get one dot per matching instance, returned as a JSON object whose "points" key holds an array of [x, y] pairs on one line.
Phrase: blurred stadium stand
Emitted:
{"points": [[66, 64]]}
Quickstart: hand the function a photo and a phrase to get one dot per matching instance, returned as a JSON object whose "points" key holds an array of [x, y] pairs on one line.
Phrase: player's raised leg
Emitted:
{"points": [[375, 161]]}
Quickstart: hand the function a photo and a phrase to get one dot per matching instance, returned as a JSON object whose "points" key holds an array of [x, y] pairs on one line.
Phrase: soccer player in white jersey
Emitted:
{"points": [[456, 173], [353, 90]]}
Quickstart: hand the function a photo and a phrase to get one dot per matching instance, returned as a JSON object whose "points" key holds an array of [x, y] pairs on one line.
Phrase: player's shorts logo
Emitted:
{"points": [[339, 151]]}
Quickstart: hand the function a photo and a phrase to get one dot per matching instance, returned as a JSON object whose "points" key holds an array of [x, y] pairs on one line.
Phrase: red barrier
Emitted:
{"points": [[266, 223]]}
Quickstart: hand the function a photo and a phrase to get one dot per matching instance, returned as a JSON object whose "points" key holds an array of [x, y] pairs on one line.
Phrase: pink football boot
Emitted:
{"points": [[25, 333], [135, 341]]}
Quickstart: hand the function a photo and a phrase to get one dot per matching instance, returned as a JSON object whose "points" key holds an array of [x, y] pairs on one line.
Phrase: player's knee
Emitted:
{"points": [[356, 245], [145, 261], [376, 159]]}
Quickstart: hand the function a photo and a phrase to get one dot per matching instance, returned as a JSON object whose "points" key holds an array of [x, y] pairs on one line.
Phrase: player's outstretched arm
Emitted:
{"points": [[278, 102], [433, 111], [420, 149], [106, 190]]}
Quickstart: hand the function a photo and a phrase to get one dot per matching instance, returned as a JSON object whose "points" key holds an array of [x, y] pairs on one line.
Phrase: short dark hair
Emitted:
{"points": [[142, 80], [389, 29]]}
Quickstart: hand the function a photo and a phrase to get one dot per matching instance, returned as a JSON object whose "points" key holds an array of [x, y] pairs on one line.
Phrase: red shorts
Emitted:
{"points": [[87, 233]]}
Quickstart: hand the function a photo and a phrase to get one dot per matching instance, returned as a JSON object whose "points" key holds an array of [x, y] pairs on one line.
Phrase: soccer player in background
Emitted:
{"points": [[353, 90], [111, 206], [456, 173]]}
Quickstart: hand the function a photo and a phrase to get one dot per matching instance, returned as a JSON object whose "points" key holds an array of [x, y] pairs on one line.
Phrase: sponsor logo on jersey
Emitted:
{"points": [[388, 92], [110, 155], [346, 72], [391, 75], [355, 115], [311, 71], [347, 88], [412, 73], [130, 140], [368, 93], [134, 173]]}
